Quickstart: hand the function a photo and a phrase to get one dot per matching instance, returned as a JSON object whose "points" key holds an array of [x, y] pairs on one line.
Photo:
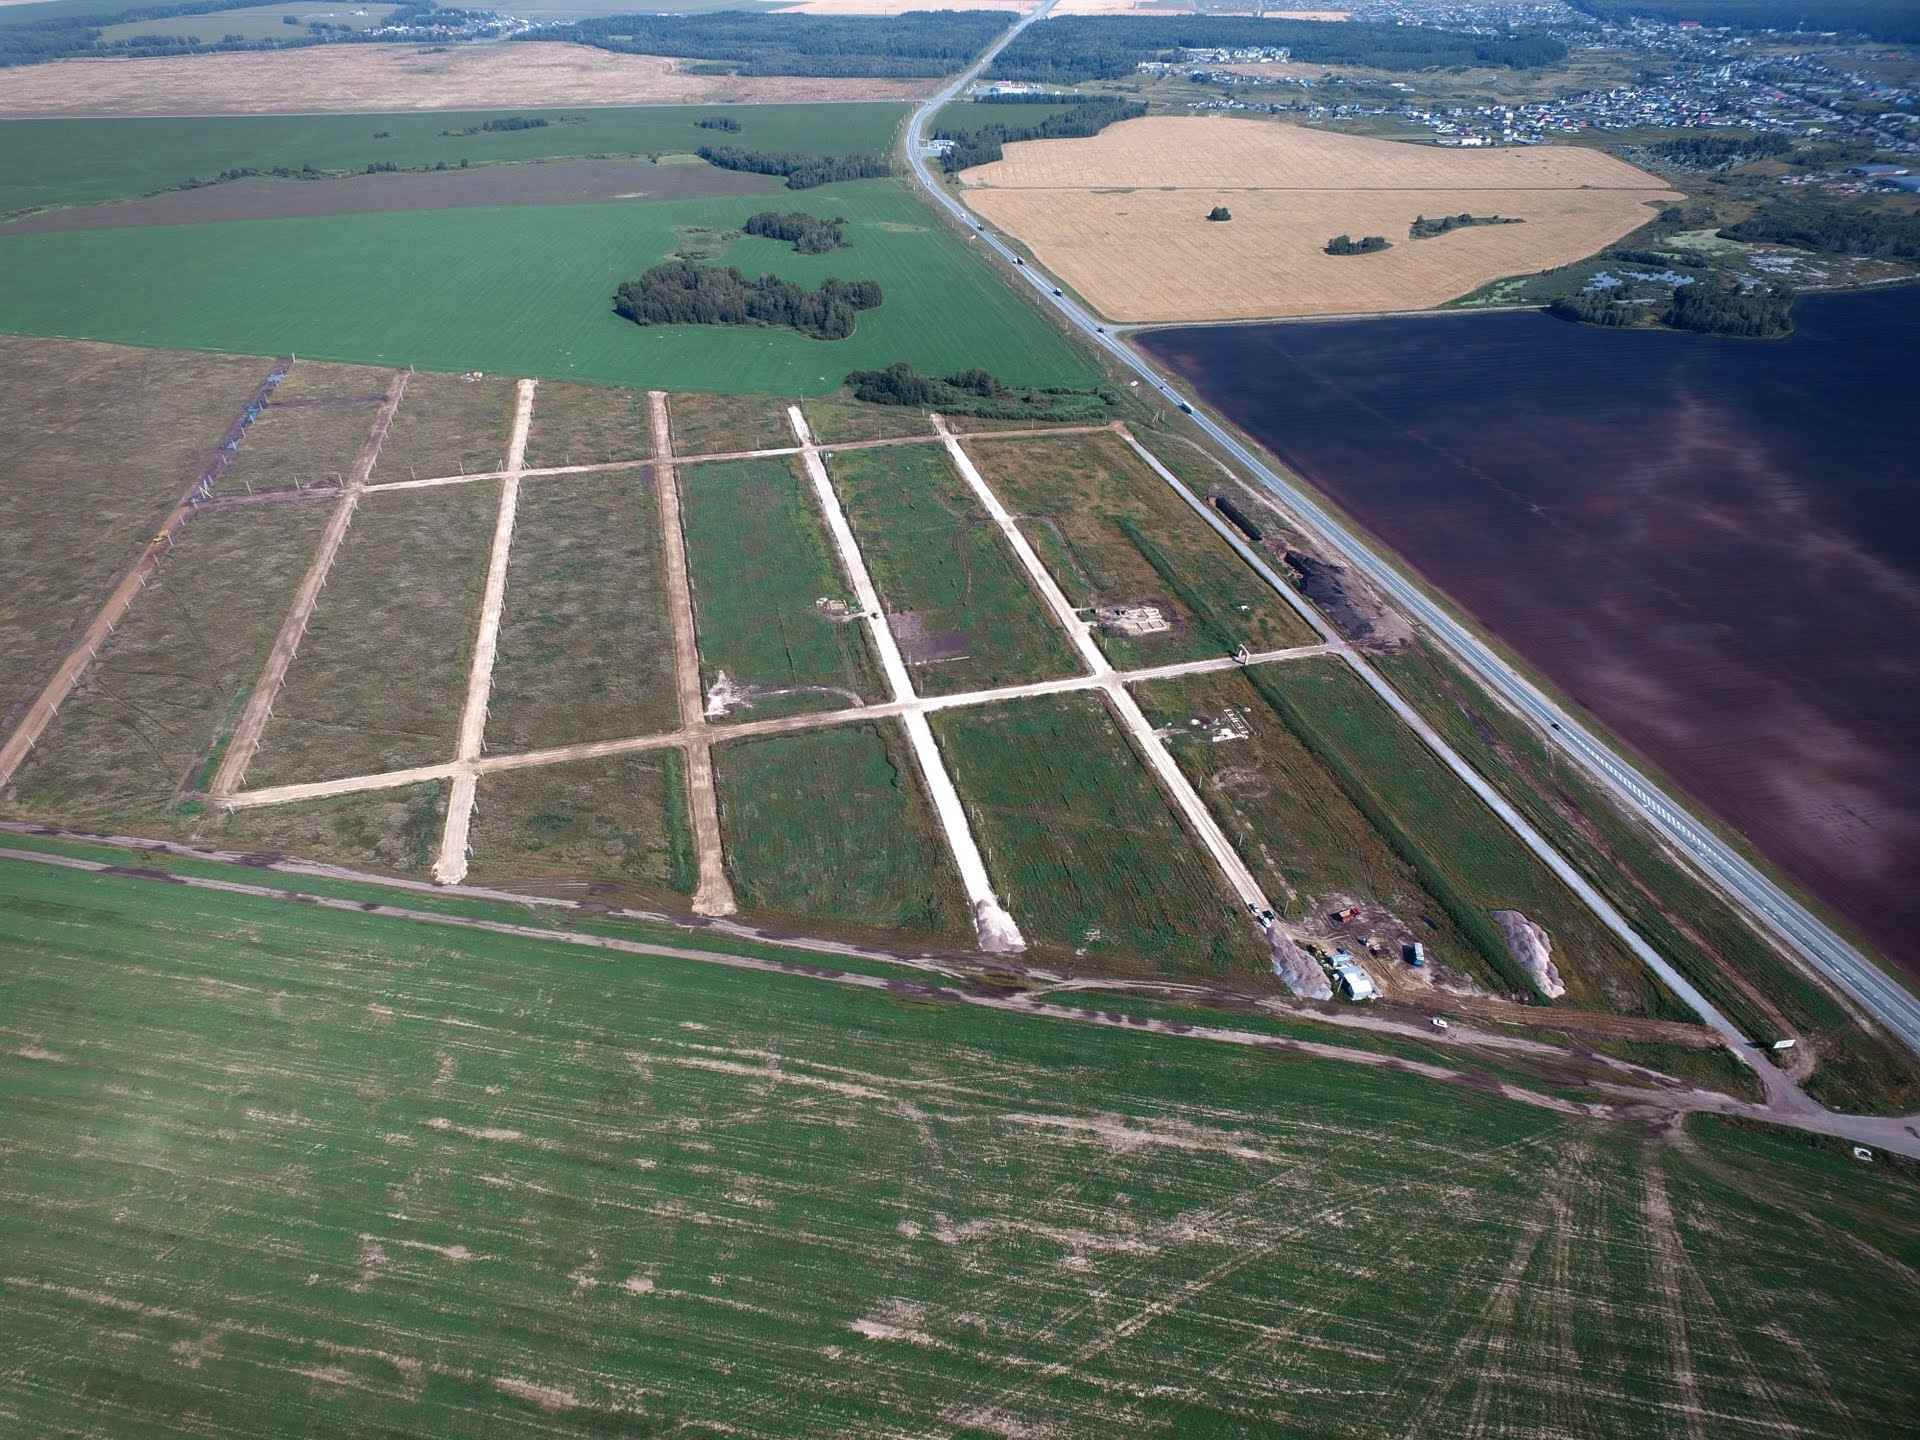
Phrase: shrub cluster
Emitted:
{"points": [[809, 234], [802, 172], [681, 293], [719, 122]]}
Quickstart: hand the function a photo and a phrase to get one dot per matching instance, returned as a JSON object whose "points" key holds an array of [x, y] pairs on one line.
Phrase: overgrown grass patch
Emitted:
{"points": [[395, 831], [588, 425], [449, 425], [724, 424]]}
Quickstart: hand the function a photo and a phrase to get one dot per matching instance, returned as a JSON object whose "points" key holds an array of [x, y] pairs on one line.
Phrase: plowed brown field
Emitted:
{"points": [[1122, 216]]}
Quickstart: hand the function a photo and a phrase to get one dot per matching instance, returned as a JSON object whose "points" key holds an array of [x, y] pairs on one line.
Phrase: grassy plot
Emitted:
{"points": [[381, 676], [313, 429], [558, 1185], [587, 425], [100, 443], [966, 614], [613, 828], [724, 424], [527, 290], [1112, 533], [148, 719], [66, 162], [1084, 848], [263, 22], [449, 425], [586, 642], [760, 563], [1463, 855], [389, 830], [836, 418], [1691, 926], [831, 826]]}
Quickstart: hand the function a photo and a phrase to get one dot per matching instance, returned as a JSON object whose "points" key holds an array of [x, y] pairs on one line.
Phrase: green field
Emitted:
{"points": [[77, 162], [380, 679], [933, 552], [759, 562], [528, 291], [313, 1171], [1112, 533], [830, 826], [263, 22], [586, 642], [970, 115], [614, 828], [1465, 857], [1084, 848]]}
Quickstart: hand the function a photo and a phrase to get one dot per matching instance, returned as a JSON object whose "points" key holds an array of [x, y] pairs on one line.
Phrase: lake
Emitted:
{"points": [[1713, 545]]}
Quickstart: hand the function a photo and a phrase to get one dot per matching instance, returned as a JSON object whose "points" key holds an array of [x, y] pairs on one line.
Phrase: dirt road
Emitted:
{"points": [[714, 895], [451, 866], [253, 720]]}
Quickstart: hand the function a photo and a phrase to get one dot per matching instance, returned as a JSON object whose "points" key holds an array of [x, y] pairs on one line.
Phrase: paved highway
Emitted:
{"points": [[1777, 912]]}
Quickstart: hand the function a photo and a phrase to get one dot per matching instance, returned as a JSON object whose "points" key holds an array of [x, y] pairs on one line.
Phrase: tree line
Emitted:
{"points": [[681, 293], [975, 392], [1838, 230], [1706, 307], [809, 234], [935, 42], [1075, 47], [1091, 115], [1425, 229], [803, 172]]}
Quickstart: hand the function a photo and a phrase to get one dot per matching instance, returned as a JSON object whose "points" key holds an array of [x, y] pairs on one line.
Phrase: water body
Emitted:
{"points": [[1713, 545]]}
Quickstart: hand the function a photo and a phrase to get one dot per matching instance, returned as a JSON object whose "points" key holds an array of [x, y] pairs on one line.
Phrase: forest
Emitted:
{"points": [[1704, 307], [682, 293], [1883, 19], [1834, 229], [28, 40], [803, 172], [1075, 48], [1710, 152], [920, 43], [809, 234], [1088, 116]]}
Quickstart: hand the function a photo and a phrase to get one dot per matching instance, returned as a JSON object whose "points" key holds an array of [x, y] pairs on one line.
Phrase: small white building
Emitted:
{"points": [[1354, 983]]}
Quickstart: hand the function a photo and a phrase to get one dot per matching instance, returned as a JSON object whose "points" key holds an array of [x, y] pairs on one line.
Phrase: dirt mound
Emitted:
{"points": [[1532, 947], [1297, 970]]}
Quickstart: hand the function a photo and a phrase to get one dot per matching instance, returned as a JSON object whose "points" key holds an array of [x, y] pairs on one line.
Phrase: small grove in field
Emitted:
{"points": [[681, 293]]}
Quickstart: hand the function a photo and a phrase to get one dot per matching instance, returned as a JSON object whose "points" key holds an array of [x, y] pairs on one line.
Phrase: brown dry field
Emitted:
{"points": [[1161, 7], [900, 7], [1083, 206], [550, 182], [402, 77]]}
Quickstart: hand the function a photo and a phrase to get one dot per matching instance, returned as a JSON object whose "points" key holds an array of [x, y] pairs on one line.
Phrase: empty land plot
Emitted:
{"points": [[725, 424], [1466, 858], [311, 432], [406, 77], [100, 444], [586, 646], [835, 418], [381, 675], [779, 629], [587, 425], [544, 1177], [1082, 205], [613, 828], [831, 826], [148, 719], [264, 22], [1084, 848], [1113, 534], [449, 425], [960, 606], [397, 831]]}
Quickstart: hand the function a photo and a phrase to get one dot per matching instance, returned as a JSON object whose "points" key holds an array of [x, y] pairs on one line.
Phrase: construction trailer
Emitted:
{"points": [[1353, 982]]}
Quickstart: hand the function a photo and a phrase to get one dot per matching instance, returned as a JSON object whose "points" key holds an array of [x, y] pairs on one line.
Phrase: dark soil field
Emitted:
{"points": [[554, 182], [1709, 543]]}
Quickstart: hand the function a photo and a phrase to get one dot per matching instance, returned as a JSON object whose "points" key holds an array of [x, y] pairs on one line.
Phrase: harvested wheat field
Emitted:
{"points": [[402, 77], [1084, 206]]}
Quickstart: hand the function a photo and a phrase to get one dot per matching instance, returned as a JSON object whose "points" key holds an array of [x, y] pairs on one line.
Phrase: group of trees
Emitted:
{"points": [[1347, 245], [802, 172], [1075, 48], [1705, 307], [1085, 115], [930, 42], [1711, 152], [974, 392], [809, 234], [719, 122], [1882, 19], [1220, 212], [508, 124], [1838, 230], [681, 293], [1425, 229]]}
